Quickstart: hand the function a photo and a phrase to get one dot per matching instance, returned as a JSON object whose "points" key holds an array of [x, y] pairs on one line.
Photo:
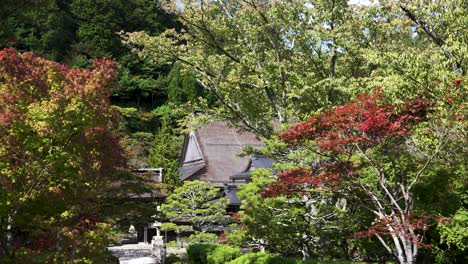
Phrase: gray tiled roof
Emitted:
{"points": [[231, 194], [262, 162]]}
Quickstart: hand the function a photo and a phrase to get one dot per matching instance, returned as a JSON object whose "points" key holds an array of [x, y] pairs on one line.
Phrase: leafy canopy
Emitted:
{"points": [[198, 203], [56, 146]]}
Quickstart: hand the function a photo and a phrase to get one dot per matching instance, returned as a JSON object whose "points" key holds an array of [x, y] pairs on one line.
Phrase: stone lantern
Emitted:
{"points": [[157, 243], [157, 225]]}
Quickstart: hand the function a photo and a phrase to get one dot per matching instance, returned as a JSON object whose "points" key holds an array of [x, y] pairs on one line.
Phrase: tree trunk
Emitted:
{"points": [[10, 236], [58, 248], [305, 253], [10, 232], [73, 252]]}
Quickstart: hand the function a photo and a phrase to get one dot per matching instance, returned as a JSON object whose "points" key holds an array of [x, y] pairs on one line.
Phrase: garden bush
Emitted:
{"points": [[262, 258], [223, 254], [208, 253], [200, 237], [198, 253], [172, 244], [266, 258]]}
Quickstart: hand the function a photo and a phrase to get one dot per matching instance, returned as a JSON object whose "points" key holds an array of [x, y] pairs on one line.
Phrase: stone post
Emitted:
{"points": [[157, 245], [158, 249]]}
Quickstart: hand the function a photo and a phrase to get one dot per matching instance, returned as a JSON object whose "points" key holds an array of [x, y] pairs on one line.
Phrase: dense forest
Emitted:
{"points": [[362, 104]]}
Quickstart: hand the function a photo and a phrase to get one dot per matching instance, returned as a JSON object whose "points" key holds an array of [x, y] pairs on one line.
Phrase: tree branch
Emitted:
{"points": [[433, 35]]}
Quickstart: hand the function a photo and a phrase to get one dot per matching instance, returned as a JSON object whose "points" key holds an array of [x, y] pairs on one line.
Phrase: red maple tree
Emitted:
{"points": [[354, 141], [56, 144]]}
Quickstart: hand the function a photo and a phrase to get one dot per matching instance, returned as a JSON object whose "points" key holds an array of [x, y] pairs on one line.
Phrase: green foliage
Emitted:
{"points": [[173, 227], [455, 234], [140, 84], [193, 202], [172, 244], [182, 86], [252, 56], [44, 27], [283, 61], [223, 254], [266, 258], [176, 259], [165, 154], [207, 253], [281, 225], [150, 139], [198, 253], [199, 237], [237, 237], [78, 31], [262, 258]]}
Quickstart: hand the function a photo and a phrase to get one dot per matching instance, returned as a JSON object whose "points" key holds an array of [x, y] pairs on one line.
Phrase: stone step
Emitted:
{"points": [[133, 254]]}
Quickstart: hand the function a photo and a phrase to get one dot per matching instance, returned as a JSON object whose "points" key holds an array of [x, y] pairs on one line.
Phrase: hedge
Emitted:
{"points": [[208, 253]]}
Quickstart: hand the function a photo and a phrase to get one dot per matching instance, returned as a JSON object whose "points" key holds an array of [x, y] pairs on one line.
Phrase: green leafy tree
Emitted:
{"points": [[308, 225], [165, 154], [251, 54], [182, 86], [43, 27], [78, 31], [454, 233], [198, 203], [283, 60]]}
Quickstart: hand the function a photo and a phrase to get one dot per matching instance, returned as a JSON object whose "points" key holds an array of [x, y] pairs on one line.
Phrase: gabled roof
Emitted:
{"points": [[212, 153], [192, 153]]}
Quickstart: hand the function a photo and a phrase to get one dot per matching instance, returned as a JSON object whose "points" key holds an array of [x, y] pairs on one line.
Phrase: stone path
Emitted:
{"points": [[133, 253]]}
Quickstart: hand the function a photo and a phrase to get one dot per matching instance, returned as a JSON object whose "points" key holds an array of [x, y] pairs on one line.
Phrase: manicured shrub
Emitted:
{"points": [[208, 253], [200, 237], [265, 258], [172, 244], [198, 253], [262, 258], [223, 254]]}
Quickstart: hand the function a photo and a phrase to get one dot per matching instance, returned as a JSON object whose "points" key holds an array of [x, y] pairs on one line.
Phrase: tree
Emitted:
{"points": [[56, 147], [251, 55], [78, 31], [303, 225], [365, 145], [198, 203], [44, 27], [182, 86], [449, 39], [10, 11], [285, 60], [454, 234], [165, 154]]}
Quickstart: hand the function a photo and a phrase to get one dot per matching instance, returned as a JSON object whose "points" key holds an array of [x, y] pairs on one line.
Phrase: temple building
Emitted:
{"points": [[213, 154]]}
